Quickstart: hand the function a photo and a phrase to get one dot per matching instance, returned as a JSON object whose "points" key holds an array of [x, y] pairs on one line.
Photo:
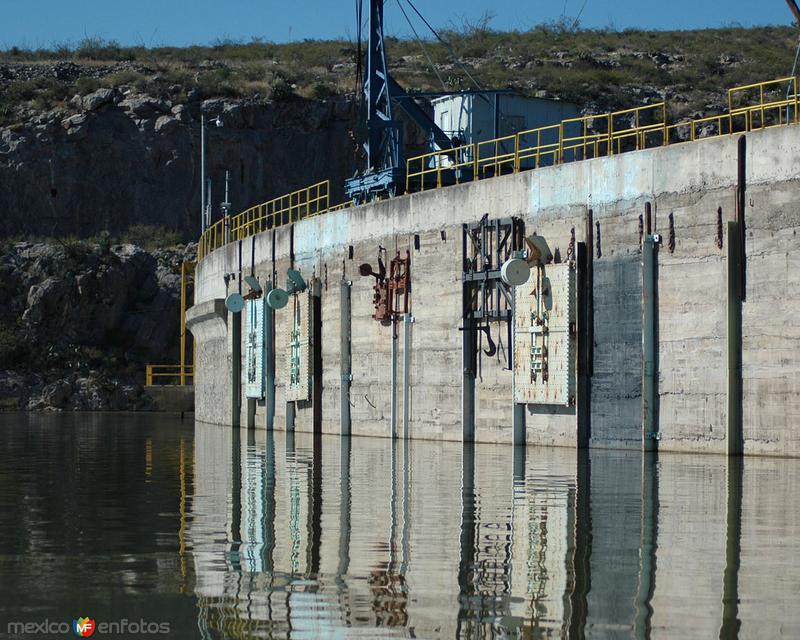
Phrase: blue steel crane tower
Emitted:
{"points": [[385, 171]]}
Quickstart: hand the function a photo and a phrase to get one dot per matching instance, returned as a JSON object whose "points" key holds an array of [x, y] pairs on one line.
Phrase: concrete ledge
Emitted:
{"points": [[208, 320], [177, 399]]}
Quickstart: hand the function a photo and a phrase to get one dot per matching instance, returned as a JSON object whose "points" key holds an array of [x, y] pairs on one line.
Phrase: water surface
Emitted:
{"points": [[230, 534]]}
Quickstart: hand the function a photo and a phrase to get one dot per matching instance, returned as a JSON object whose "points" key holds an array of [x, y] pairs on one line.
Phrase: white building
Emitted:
{"points": [[478, 116]]}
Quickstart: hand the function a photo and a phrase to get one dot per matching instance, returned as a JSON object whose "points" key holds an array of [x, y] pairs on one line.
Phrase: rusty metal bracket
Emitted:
{"points": [[391, 297]]}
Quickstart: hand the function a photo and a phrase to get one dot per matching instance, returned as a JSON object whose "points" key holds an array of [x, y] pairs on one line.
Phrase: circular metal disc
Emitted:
{"points": [[515, 272], [234, 303], [277, 298]]}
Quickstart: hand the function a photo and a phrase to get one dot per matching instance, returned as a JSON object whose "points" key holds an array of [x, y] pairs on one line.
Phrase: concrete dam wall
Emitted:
{"points": [[723, 376]]}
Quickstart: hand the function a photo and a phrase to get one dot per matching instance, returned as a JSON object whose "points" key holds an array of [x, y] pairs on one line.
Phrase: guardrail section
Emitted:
{"points": [[169, 374], [751, 107], [298, 205]]}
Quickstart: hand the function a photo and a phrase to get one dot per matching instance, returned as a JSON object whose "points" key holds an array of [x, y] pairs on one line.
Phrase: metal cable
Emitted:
{"points": [[447, 46], [456, 58], [422, 45]]}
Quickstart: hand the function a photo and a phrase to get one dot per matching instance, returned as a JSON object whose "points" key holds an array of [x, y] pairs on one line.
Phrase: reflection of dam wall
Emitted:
{"points": [[691, 188], [394, 556], [319, 534]]}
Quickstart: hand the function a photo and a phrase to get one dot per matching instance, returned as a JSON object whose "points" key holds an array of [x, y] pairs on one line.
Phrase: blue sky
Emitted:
{"points": [[35, 23]]}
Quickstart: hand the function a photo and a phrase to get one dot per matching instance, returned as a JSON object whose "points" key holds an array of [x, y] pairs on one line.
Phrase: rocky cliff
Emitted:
{"points": [[79, 321], [116, 157]]}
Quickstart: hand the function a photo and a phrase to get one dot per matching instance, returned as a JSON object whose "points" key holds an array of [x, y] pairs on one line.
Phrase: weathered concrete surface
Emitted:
{"points": [[208, 322], [694, 184], [172, 398]]}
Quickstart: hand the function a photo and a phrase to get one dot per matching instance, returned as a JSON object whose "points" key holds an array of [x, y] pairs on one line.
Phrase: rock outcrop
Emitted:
{"points": [[115, 157], [80, 321]]}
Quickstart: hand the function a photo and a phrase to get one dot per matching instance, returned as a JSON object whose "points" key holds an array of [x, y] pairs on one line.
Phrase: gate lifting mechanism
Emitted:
{"points": [[545, 337], [493, 252], [391, 295], [381, 133], [279, 298]]}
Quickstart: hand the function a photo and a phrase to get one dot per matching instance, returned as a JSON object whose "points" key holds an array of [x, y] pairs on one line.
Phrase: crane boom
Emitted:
{"points": [[384, 171]]}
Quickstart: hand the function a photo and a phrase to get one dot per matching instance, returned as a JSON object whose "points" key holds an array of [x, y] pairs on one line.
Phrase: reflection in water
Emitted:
{"points": [[422, 539], [733, 537], [240, 534]]}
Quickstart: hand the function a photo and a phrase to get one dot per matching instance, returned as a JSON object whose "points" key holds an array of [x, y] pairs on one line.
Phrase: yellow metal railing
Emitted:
{"points": [[169, 374], [183, 372], [460, 160], [750, 107], [764, 104], [538, 147], [495, 157], [639, 128], [298, 205], [755, 106]]}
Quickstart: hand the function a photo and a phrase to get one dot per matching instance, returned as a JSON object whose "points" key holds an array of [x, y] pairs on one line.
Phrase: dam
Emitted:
{"points": [[670, 292]]}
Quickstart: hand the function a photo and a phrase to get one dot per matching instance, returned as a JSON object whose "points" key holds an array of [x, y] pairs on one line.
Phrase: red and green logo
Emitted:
{"points": [[84, 627]]}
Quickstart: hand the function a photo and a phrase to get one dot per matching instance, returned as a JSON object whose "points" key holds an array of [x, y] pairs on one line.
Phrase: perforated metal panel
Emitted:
{"points": [[298, 360], [544, 337], [254, 348]]}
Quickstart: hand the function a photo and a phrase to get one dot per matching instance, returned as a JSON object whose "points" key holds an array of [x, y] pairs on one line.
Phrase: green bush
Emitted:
{"points": [[86, 85], [96, 48], [283, 90], [126, 76]]}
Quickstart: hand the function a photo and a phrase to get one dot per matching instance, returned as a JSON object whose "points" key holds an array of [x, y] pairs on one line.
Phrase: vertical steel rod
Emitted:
{"points": [[202, 173], [408, 320], [236, 369], [734, 343], [467, 354], [183, 323], [583, 404], [251, 413], [269, 359], [345, 361], [393, 425], [468, 381], [649, 421], [518, 417]]}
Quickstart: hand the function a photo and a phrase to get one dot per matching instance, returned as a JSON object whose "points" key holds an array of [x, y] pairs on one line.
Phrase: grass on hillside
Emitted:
{"points": [[599, 69]]}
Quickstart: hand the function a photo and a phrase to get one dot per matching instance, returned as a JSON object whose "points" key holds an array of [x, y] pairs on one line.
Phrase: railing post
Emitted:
{"points": [[537, 161], [149, 376], [183, 323]]}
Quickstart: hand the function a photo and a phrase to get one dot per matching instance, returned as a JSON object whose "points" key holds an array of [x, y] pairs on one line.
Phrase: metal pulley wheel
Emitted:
{"points": [[234, 303], [515, 272], [277, 298]]}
